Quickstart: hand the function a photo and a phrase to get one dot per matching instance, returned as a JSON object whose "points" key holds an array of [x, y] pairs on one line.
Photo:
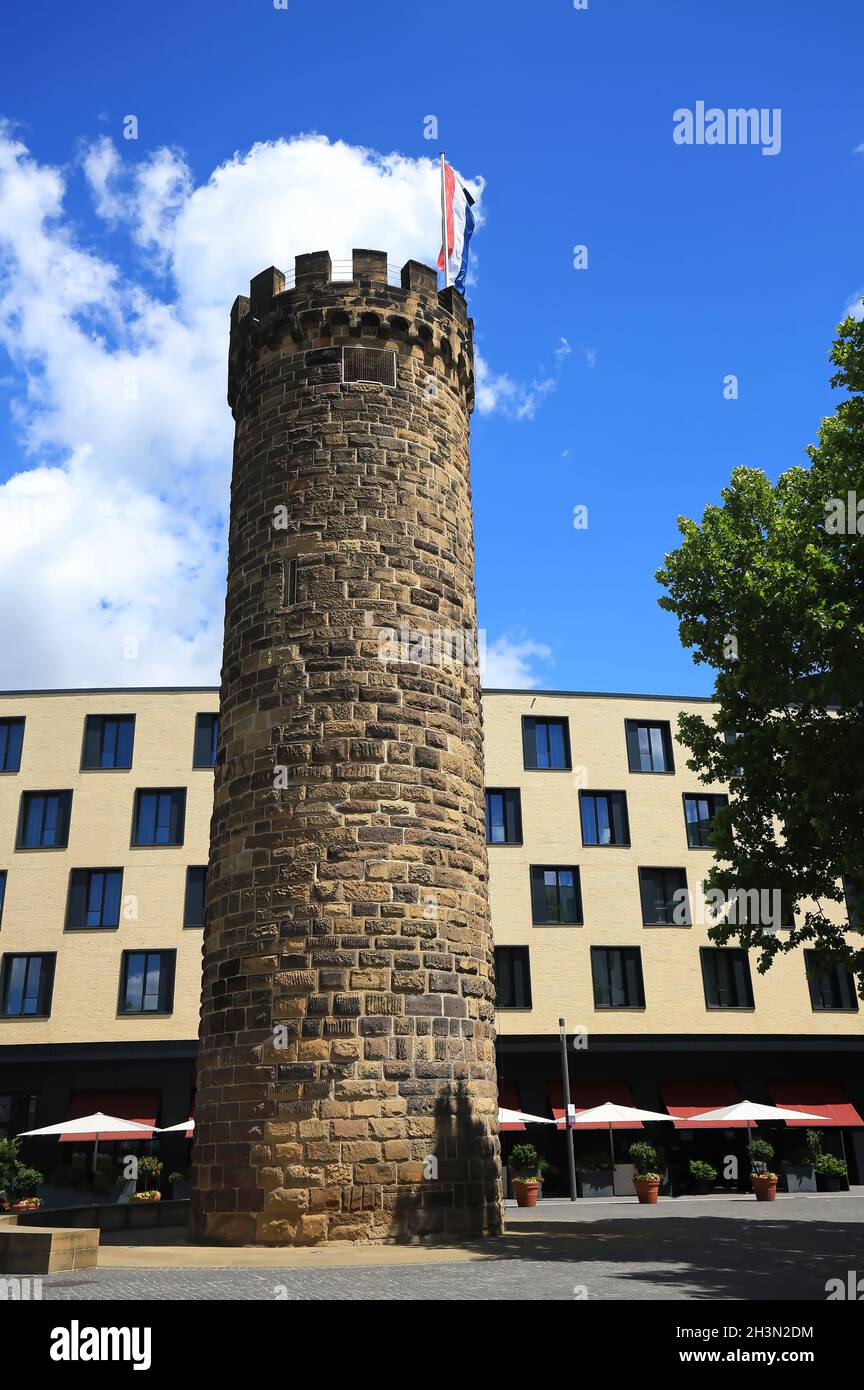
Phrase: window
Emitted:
{"points": [[159, 817], [660, 906], [11, 743], [604, 818], [206, 737], [503, 817], [834, 990], [513, 978], [851, 897], [94, 899], [546, 742], [699, 812], [369, 364], [147, 982], [291, 582], [43, 822], [649, 745], [2, 893], [556, 896], [617, 975], [25, 985], [196, 889], [726, 978], [108, 741]]}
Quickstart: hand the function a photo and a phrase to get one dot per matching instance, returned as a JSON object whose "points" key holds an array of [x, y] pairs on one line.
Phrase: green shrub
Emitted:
{"points": [[827, 1166], [177, 1177], [150, 1168], [645, 1158], [27, 1181], [524, 1156], [761, 1153], [593, 1162], [702, 1171]]}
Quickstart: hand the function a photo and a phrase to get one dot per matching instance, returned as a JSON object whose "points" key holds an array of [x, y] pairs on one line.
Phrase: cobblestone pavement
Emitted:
{"points": [[726, 1250]]}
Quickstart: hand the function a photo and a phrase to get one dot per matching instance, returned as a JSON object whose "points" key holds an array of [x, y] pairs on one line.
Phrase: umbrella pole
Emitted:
{"points": [[95, 1152], [612, 1156]]}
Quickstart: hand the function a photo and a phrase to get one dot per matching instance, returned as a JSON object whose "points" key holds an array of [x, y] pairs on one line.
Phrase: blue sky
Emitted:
{"points": [[703, 262]]}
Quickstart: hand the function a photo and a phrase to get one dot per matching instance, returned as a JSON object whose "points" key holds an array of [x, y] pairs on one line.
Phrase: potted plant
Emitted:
{"points": [[831, 1173], [149, 1170], [646, 1179], [18, 1184], [704, 1175], [595, 1174], [799, 1168], [763, 1180], [147, 1195], [525, 1174], [179, 1186]]}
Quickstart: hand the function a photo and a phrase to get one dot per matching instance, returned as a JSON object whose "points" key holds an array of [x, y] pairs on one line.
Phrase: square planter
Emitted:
{"points": [[800, 1178], [596, 1183]]}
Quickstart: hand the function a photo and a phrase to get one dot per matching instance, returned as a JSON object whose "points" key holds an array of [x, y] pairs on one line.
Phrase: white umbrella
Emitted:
{"points": [[516, 1117], [750, 1110], [93, 1124], [184, 1124], [611, 1113]]}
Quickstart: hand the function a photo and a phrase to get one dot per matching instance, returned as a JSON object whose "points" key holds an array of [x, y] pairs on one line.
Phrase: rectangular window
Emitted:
{"points": [[196, 890], [26, 983], [291, 582], [108, 740], [834, 990], [699, 812], [852, 897], [616, 972], [94, 899], [660, 905], [512, 978], [159, 816], [147, 982], [503, 816], [206, 738], [604, 818], [2, 893], [369, 364], [556, 896], [11, 743], [726, 978], [546, 742], [649, 745], [43, 821]]}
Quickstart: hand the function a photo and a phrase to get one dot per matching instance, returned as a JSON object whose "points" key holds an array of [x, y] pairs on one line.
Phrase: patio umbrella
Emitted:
{"points": [[95, 1124], [749, 1111], [516, 1117], [611, 1113], [188, 1125]]}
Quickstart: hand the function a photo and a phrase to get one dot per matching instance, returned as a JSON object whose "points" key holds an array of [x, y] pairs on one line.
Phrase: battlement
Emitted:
{"points": [[324, 303]]}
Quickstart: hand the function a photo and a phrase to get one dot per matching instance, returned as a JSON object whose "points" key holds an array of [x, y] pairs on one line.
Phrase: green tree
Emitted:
{"points": [[769, 591]]}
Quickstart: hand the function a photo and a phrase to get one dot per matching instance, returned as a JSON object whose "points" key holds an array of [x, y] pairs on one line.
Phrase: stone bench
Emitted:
{"points": [[46, 1249]]}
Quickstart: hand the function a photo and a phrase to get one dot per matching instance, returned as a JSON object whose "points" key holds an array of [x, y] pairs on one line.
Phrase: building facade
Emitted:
{"points": [[595, 827]]}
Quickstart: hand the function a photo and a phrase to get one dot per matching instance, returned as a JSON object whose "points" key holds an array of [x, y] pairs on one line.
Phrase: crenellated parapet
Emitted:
{"points": [[413, 319]]}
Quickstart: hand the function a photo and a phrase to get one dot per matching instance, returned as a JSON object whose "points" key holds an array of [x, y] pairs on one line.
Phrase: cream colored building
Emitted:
{"points": [[111, 1008]]}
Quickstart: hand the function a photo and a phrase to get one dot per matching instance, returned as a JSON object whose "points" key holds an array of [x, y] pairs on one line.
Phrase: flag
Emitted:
{"points": [[460, 226]]}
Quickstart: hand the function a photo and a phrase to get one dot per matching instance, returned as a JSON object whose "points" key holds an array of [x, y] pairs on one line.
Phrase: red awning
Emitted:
{"points": [[140, 1106], [686, 1098], [585, 1095], [508, 1099], [820, 1098]]}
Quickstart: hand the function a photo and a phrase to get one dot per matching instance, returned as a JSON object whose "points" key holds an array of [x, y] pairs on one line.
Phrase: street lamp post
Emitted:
{"points": [[565, 1077]]}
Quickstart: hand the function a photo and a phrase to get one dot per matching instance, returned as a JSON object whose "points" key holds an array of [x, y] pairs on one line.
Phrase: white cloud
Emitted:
{"points": [[855, 307], [112, 525], [508, 664]]}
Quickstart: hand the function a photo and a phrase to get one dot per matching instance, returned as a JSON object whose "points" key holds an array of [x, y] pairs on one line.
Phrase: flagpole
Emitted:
{"points": [[444, 224]]}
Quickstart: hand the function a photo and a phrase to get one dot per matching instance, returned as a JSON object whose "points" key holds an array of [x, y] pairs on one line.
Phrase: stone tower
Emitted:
{"points": [[346, 1077]]}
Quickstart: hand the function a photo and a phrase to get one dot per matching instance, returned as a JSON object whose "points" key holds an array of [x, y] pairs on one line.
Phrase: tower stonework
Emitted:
{"points": [[346, 1074]]}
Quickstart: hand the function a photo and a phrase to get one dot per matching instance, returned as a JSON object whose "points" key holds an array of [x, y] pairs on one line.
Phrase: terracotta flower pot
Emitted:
{"points": [[647, 1189], [765, 1186], [526, 1193]]}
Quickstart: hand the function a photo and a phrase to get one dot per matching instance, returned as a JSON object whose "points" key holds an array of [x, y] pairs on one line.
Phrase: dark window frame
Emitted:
{"points": [[198, 739], [166, 987], [632, 727], [525, 958], [663, 869], [45, 996], [8, 721], [4, 875], [23, 809], [512, 812], [630, 955], [291, 582], [158, 791], [190, 870], [90, 722], [713, 954], [608, 793], [533, 720], [816, 984], [76, 887], [722, 801], [539, 894]]}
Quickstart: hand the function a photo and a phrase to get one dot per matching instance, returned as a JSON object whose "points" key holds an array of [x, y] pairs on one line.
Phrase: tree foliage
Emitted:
{"points": [[769, 591]]}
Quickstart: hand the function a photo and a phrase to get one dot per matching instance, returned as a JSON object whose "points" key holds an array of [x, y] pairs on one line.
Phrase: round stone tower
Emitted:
{"points": [[346, 1076]]}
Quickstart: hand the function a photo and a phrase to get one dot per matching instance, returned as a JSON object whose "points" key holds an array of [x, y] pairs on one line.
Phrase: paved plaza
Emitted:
{"points": [[719, 1248]]}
